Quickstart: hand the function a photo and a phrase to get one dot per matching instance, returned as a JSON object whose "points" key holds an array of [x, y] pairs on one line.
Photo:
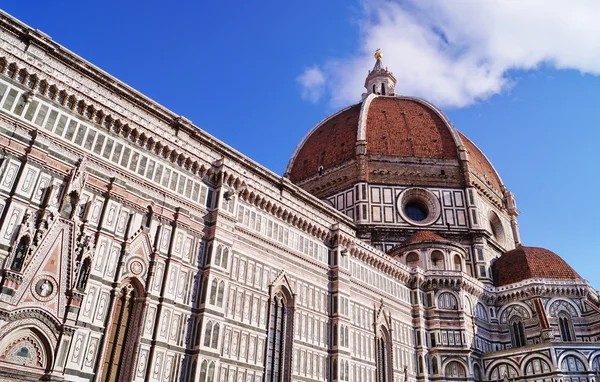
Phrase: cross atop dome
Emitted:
{"points": [[380, 80]]}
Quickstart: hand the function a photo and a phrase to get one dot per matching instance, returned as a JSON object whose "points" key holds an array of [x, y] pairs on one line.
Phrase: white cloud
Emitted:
{"points": [[312, 83], [454, 53]]}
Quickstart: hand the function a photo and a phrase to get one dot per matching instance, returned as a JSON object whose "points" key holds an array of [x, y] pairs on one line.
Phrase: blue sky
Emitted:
{"points": [[521, 84]]}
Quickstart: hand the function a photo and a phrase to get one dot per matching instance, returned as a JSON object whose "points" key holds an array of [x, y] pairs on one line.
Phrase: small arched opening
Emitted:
{"points": [[437, 260]]}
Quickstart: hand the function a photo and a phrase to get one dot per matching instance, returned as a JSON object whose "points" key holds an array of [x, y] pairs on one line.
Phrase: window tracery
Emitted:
{"points": [[447, 300], [207, 372], [573, 368], [536, 366], [211, 335], [455, 369], [502, 371]]}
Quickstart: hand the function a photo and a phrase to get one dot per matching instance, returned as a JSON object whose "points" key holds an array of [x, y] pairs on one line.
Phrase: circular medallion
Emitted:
{"points": [[136, 267], [44, 288]]}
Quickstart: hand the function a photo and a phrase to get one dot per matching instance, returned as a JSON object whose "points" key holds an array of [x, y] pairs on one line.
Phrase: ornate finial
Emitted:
{"points": [[378, 54]]}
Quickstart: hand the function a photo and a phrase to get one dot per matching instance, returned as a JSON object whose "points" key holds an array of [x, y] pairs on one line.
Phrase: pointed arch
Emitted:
{"points": [[279, 331], [28, 347], [123, 331]]}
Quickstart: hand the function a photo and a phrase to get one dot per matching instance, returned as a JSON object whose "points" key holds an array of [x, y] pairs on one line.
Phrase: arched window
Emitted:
{"points": [[480, 312], [565, 326], [213, 292], [215, 337], [447, 300], [277, 367], [477, 373], [207, 333], [496, 227], [84, 272], [572, 364], [502, 371], [218, 254], [335, 364], [517, 332], [596, 364], [211, 335], [455, 369], [20, 253], [225, 259], [220, 293], [412, 260], [383, 355], [207, 372], [457, 263], [536, 366], [437, 260], [382, 89], [434, 365], [374, 90]]}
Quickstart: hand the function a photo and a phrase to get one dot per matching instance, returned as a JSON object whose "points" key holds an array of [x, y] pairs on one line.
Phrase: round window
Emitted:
{"points": [[416, 210], [418, 206]]}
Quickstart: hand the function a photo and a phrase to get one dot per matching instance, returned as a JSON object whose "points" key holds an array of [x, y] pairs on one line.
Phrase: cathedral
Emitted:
{"points": [[136, 247]]}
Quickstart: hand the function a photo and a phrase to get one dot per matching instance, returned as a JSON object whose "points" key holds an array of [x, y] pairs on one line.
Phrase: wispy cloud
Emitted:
{"points": [[312, 83], [455, 53]]}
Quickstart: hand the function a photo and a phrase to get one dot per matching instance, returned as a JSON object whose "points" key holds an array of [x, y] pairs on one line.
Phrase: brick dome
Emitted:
{"points": [[394, 136], [524, 263]]}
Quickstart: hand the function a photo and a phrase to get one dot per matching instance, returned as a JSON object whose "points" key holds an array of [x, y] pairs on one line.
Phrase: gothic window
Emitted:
{"points": [[565, 325], [517, 332], [447, 300], [20, 253], [455, 369], [122, 334], [220, 293], [480, 312], [213, 292], [218, 255], [382, 89], [225, 258], [374, 90], [277, 362], [207, 372], [84, 272], [211, 335], [383, 355], [434, 365]]}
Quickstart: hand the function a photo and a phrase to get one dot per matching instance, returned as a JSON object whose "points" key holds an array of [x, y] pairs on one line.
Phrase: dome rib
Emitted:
{"points": [[481, 164]]}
